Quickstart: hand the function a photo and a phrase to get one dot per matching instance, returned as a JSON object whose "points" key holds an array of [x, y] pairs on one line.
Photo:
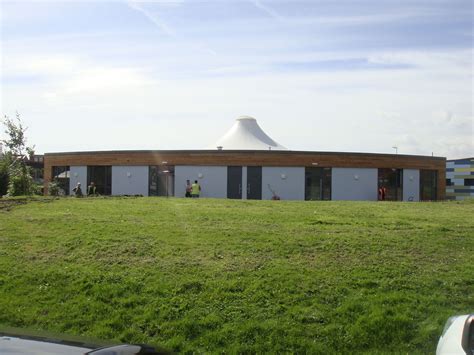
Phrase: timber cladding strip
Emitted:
{"points": [[248, 158]]}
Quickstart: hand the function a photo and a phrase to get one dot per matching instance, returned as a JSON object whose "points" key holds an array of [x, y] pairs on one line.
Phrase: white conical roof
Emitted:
{"points": [[246, 134]]}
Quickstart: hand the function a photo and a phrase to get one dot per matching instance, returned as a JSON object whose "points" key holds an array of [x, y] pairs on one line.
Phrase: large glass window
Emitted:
{"points": [[428, 185], [318, 184], [101, 176], [161, 181], [390, 184], [61, 175]]}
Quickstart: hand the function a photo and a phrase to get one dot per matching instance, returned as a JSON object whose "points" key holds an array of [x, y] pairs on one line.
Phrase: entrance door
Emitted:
{"points": [[317, 183], [254, 182], [161, 181], [234, 182]]}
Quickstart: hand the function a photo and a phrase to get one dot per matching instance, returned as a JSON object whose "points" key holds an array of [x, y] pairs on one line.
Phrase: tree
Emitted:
{"points": [[20, 181]]}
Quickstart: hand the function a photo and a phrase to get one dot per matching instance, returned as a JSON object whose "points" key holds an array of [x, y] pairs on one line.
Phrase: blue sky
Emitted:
{"points": [[317, 75]]}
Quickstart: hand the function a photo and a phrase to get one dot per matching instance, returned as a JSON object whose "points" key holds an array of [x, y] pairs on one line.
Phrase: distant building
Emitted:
{"points": [[460, 179], [247, 164], [36, 162]]}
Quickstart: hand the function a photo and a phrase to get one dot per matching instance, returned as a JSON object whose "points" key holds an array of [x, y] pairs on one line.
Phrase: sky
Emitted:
{"points": [[355, 76]]}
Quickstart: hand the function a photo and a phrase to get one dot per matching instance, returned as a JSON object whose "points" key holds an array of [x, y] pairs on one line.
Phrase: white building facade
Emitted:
{"points": [[247, 164]]}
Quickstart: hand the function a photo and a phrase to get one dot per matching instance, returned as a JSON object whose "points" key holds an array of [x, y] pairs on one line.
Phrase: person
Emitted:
{"points": [[91, 189], [189, 188], [77, 190], [195, 189], [382, 193]]}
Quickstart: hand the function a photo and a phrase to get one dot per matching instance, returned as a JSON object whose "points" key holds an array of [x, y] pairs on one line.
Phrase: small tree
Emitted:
{"points": [[20, 181]]}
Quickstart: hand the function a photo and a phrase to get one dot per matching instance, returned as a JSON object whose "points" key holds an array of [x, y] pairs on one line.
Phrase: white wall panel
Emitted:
{"points": [[354, 184], [411, 185], [213, 180], [287, 182], [130, 180]]}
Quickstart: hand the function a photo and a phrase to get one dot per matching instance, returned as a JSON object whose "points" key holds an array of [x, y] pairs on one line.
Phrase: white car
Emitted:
{"points": [[457, 337], [14, 341]]}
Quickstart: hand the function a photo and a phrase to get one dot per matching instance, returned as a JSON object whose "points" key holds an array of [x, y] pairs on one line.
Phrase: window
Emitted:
{"points": [[392, 181], [61, 175], [37, 174], [468, 182], [428, 185], [101, 176], [318, 183]]}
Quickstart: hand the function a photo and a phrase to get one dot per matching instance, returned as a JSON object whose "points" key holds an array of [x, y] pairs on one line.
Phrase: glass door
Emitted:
{"points": [[161, 181], [317, 184]]}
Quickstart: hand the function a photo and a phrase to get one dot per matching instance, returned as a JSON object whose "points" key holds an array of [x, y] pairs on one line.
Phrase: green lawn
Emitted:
{"points": [[239, 276]]}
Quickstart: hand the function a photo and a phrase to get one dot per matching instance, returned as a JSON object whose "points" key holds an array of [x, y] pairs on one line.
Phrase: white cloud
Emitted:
{"points": [[96, 81], [45, 65], [153, 17], [268, 10]]}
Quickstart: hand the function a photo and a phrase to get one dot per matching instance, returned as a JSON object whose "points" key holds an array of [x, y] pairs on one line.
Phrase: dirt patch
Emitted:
{"points": [[7, 205]]}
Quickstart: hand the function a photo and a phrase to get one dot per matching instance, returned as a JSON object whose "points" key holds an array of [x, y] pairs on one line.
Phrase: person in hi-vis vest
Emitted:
{"points": [[195, 189]]}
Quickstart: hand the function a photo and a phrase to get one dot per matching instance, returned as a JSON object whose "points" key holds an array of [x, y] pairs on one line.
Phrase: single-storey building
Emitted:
{"points": [[247, 164]]}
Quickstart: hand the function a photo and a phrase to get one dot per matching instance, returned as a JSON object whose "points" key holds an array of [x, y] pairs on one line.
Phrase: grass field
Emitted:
{"points": [[239, 276]]}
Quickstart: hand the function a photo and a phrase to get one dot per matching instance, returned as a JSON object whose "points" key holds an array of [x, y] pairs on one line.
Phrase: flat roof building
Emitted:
{"points": [[246, 163]]}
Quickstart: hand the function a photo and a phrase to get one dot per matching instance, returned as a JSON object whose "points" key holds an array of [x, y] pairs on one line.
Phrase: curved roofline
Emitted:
{"points": [[242, 151]]}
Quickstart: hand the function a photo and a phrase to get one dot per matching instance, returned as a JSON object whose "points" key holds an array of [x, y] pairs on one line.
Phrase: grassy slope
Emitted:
{"points": [[213, 275]]}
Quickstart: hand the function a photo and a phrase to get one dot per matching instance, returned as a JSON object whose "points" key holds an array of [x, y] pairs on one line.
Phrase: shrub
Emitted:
{"points": [[20, 181], [54, 189]]}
